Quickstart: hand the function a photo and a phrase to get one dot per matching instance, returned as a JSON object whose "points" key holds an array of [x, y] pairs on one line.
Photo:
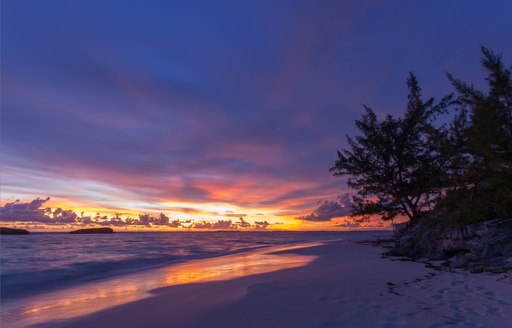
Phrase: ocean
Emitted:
{"points": [[45, 261], [58, 275]]}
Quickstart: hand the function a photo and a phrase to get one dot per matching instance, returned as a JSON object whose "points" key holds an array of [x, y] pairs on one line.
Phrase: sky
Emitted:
{"points": [[212, 114]]}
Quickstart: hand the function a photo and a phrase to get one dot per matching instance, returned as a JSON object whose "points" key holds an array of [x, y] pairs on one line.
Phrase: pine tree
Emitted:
{"points": [[398, 165], [484, 183]]}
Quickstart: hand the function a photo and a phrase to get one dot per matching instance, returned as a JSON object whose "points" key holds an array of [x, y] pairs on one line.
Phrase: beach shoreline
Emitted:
{"points": [[346, 285], [47, 262]]}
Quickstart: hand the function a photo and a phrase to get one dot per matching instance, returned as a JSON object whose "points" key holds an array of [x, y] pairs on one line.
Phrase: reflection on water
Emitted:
{"points": [[95, 296]]}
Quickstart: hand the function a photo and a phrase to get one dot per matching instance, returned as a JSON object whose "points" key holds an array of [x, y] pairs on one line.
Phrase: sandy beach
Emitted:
{"points": [[341, 284]]}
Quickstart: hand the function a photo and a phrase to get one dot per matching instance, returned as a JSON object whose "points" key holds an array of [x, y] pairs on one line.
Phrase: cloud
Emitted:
{"points": [[243, 224], [115, 221], [175, 224], [232, 214], [261, 225], [220, 224], [64, 216], [26, 212], [228, 224], [148, 220], [33, 212], [328, 209]]}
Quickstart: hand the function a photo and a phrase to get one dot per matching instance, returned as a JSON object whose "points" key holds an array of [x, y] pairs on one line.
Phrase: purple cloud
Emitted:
{"points": [[29, 212], [228, 224], [34, 212], [261, 225], [221, 225], [327, 209], [242, 223], [148, 220]]}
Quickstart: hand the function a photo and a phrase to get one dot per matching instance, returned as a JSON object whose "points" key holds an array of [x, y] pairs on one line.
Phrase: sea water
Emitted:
{"points": [[40, 262], [48, 277]]}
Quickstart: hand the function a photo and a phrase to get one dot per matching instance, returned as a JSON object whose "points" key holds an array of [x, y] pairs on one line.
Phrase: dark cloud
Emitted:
{"points": [[175, 224], [221, 225], [65, 216], [33, 212], [328, 209], [228, 224], [261, 225], [148, 220], [243, 224], [115, 221]]}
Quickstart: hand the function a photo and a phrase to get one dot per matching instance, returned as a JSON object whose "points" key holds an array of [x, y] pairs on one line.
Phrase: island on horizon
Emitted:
{"points": [[92, 231]]}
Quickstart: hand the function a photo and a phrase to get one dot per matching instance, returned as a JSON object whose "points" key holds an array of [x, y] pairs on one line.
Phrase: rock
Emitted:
{"points": [[485, 245], [92, 230], [11, 231], [454, 241], [458, 260]]}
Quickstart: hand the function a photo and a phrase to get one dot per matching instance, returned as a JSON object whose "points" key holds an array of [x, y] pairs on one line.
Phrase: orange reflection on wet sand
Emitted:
{"points": [[99, 295], [234, 266]]}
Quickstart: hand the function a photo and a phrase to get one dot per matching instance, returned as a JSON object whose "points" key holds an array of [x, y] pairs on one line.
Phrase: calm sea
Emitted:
{"points": [[40, 262]]}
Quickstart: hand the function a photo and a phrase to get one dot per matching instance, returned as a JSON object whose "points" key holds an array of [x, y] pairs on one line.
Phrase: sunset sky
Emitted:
{"points": [[212, 111]]}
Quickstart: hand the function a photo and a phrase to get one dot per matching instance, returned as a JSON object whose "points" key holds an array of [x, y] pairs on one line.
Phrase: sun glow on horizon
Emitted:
{"points": [[194, 214], [213, 203]]}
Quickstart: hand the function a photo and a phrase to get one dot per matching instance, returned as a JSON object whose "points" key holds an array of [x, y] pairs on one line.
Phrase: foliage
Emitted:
{"points": [[485, 180], [411, 166], [397, 165]]}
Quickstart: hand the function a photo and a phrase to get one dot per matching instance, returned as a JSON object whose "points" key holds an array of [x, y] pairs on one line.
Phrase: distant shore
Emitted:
{"points": [[346, 285]]}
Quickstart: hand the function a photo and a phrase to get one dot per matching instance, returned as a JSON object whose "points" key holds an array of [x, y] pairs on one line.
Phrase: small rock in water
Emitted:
{"points": [[92, 230], [11, 231]]}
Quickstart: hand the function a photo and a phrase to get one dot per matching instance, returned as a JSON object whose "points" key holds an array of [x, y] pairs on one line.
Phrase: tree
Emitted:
{"points": [[484, 183], [398, 165]]}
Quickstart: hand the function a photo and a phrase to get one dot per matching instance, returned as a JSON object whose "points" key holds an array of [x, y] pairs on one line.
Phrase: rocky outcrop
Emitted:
{"points": [[11, 231], [485, 246], [92, 230]]}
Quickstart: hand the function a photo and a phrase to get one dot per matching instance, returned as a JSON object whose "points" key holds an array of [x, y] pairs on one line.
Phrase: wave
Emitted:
{"points": [[18, 284]]}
